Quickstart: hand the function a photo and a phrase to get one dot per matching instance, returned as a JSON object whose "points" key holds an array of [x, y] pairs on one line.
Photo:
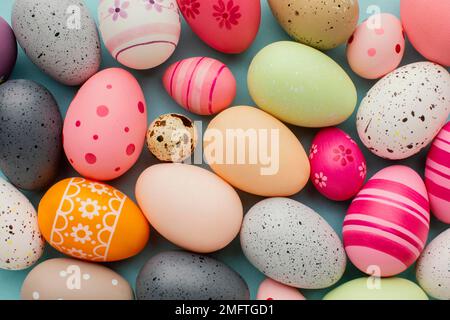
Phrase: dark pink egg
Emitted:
{"points": [[8, 49]]}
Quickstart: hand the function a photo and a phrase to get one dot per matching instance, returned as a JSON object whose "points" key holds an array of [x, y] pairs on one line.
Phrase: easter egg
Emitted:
{"points": [[255, 152], [433, 272], [200, 85], [377, 46], [437, 175], [70, 279], [91, 221], [172, 137], [105, 125], [284, 80], [292, 244], [181, 275], [272, 290], [60, 37], [405, 110], [8, 48], [140, 34], [320, 24], [30, 134], [190, 206], [377, 289], [21, 242], [338, 167], [229, 26], [428, 28], [387, 224]]}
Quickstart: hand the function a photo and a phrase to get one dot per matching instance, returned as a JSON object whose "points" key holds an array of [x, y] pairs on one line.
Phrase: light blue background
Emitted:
{"points": [[159, 102]]}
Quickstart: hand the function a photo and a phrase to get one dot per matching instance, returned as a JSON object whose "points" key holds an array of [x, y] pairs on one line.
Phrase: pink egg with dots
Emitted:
{"points": [[271, 290], [338, 167], [105, 126], [377, 46]]}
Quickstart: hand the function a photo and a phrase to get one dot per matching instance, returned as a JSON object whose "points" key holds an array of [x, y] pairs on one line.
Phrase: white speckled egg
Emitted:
{"points": [[404, 111], [290, 243]]}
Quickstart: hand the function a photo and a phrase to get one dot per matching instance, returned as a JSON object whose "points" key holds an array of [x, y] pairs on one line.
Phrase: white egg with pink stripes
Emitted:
{"points": [[140, 34], [387, 224]]}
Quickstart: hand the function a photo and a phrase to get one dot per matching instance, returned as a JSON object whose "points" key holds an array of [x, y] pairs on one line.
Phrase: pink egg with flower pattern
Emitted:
{"points": [[437, 175], [105, 126], [377, 46], [387, 224], [272, 290], [338, 167]]}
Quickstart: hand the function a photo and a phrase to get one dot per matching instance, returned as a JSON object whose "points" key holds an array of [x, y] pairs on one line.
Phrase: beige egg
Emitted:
{"points": [[172, 137]]}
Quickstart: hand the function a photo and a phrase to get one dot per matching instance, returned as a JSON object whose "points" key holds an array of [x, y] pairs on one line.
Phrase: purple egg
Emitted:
{"points": [[8, 48]]}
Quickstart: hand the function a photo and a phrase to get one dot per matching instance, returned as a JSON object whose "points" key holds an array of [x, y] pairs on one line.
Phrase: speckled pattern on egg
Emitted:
{"points": [[404, 111], [30, 134], [186, 276], [172, 137], [60, 37], [292, 244]]}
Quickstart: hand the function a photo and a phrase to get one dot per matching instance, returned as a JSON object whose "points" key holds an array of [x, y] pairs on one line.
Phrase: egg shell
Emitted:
{"points": [[60, 37], [8, 48], [105, 125], [272, 290], [404, 111], [255, 152], [377, 46], [321, 24], [437, 175], [290, 243], [300, 85], [185, 276], [387, 224], [427, 25], [229, 26], [30, 134], [377, 289], [190, 206], [70, 279], [92, 221], [433, 273], [21, 242], [338, 167], [200, 85], [139, 34]]}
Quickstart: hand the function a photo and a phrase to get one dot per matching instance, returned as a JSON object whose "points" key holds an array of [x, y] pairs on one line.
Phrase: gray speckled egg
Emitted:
{"points": [[433, 267], [404, 111], [30, 134], [60, 37], [290, 243], [21, 242], [181, 275]]}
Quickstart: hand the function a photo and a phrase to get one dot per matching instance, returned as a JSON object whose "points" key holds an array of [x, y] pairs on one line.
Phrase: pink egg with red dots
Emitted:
{"points": [[338, 167], [105, 125], [271, 290], [377, 46]]}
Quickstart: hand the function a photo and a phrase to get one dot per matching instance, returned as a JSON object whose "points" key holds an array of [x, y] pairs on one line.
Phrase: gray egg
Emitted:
{"points": [[60, 37], [290, 243], [30, 134], [181, 275]]}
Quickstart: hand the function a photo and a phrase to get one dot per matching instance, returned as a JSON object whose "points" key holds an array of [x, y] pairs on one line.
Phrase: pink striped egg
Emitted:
{"points": [[437, 175], [200, 85], [338, 167], [387, 224], [140, 34]]}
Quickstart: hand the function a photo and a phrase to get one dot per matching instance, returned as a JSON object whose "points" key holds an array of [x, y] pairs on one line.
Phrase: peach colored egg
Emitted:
{"points": [[271, 290], [229, 26], [377, 46], [105, 125], [200, 85], [140, 34], [338, 167]]}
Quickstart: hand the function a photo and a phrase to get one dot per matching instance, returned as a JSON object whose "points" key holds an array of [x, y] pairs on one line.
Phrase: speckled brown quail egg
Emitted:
{"points": [[172, 137]]}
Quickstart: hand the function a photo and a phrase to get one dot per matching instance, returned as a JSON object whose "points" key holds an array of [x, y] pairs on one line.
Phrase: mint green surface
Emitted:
{"points": [[159, 102]]}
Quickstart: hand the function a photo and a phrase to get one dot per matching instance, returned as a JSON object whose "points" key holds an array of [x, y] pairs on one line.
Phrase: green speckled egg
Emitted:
{"points": [[301, 85]]}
